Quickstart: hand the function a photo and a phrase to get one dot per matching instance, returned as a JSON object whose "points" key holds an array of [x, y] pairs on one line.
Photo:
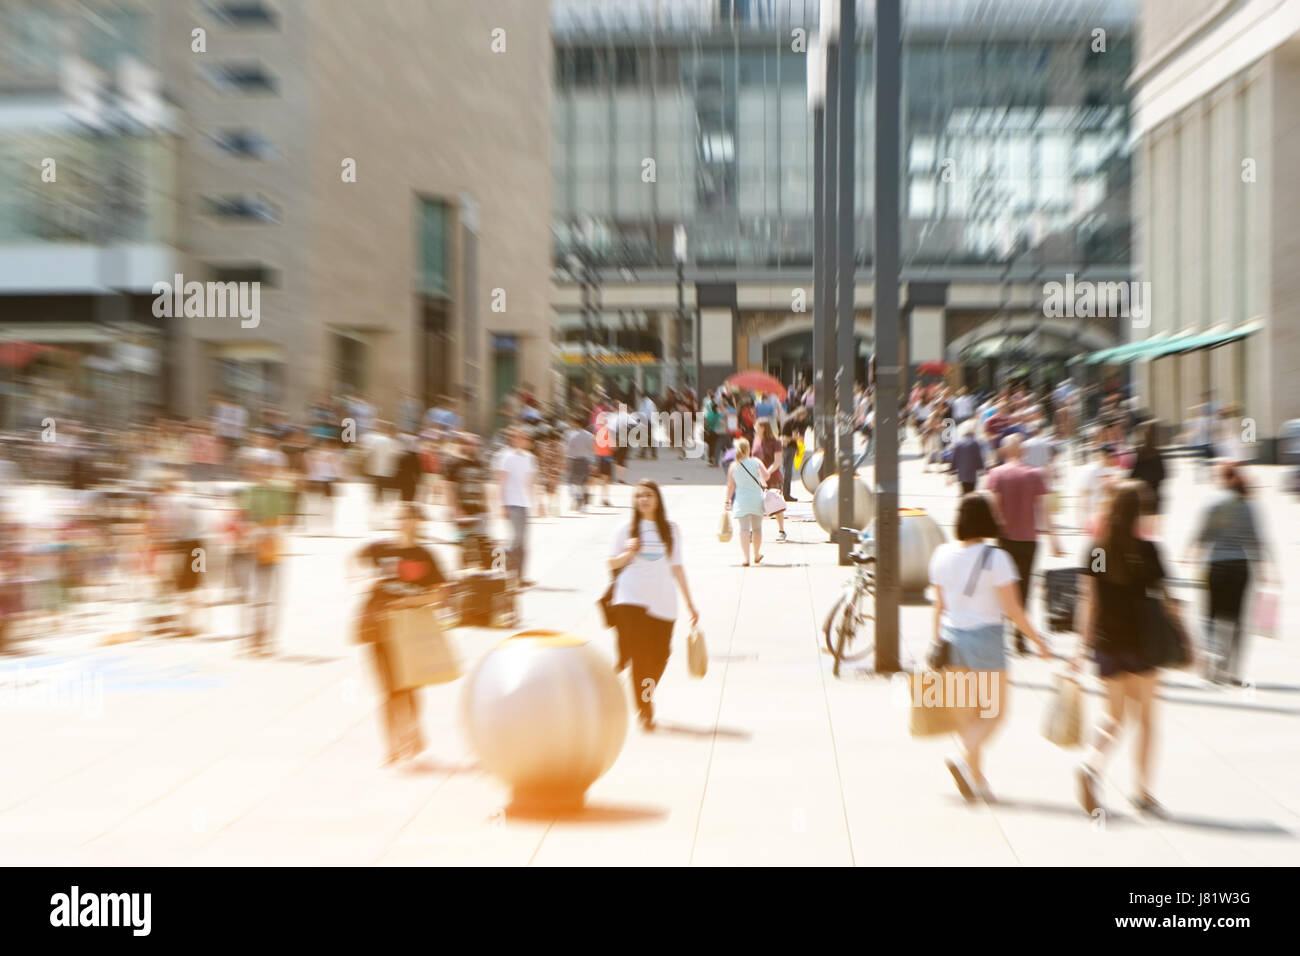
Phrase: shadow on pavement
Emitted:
{"points": [[730, 733], [592, 813]]}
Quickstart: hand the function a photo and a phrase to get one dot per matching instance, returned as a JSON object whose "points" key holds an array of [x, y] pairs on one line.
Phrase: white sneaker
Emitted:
{"points": [[781, 537], [961, 776]]}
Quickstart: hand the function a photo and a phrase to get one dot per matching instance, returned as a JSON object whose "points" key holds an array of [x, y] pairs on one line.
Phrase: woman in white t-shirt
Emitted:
{"points": [[975, 588], [647, 558]]}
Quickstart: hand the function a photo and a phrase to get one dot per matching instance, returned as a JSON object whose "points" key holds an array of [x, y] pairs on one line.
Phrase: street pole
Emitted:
{"points": [[848, 257], [888, 88], [824, 394], [816, 84], [679, 255]]}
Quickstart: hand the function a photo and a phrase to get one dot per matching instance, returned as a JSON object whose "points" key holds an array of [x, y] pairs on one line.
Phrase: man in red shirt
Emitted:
{"points": [[1019, 491]]}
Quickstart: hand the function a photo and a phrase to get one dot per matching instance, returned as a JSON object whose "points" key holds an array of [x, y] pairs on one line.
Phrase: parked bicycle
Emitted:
{"points": [[850, 627]]}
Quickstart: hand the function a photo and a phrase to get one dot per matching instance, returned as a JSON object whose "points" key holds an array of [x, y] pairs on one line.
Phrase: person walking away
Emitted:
{"points": [[1019, 492], [1200, 435], [746, 481], [1227, 435], [579, 447], [713, 425], [649, 415], [1114, 631], [1229, 542], [516, 475], [410, 469], [409, 577], [605, 438], [1094, 483], [967, 458], [975, 589], [467, 500], [264, 508], [550, 464], [382, 452], [792, 430], [767, 449], [647, 558], [322, 471], [1149, 466]]}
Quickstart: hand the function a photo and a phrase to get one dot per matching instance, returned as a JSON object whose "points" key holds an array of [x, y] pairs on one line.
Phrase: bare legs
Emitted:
{"points": [[1139, 690]]}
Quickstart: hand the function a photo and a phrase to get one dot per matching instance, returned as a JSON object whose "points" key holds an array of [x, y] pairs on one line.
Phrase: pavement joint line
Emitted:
{"points": [[717, 720], [830, 723]]}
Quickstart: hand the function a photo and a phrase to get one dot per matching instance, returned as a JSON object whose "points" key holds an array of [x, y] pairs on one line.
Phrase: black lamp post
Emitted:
{"points": [[679, 257]]}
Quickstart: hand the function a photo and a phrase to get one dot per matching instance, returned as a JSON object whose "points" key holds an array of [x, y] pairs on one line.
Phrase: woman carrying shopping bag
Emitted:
{"points": [[647, 562], [767, 449], [1229, 541], [746, 484], [409, 578], [975, 586], [1120, 630]]}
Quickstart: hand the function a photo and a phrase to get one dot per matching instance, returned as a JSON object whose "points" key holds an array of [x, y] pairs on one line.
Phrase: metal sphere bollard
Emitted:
{"points": [[826, 504], [546, 714], [810, 471], [918, 536]]}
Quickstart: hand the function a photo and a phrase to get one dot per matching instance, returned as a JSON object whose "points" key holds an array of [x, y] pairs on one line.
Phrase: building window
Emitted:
{"points": [[254, 208], [243, 143], [246, 272], [240, 78], [242, 13], [433, 247]]}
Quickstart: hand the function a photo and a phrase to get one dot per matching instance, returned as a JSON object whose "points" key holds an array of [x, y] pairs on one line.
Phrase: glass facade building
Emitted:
{"points": [[1015, 156]]}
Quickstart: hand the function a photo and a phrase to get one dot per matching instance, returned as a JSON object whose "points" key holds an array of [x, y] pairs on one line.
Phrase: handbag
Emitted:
{"points": [[724, 527], [606, 600], [1063, 719], [697, 654], [1166, 637], [773, 500], [940, 652]]}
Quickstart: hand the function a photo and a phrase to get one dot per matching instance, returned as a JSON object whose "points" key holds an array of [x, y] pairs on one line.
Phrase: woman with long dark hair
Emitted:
{"points": [[647, 559], [1148, 466], [767, 449], [1229, 540], [1123, 566]]}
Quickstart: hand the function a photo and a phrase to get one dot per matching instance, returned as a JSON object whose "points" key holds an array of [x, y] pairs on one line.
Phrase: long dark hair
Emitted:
{"points": [[661, 517], [1119, 539], [1148, 449]]}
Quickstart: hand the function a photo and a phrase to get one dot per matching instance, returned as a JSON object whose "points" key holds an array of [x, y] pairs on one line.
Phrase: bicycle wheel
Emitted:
{"points": [[850, 630]]}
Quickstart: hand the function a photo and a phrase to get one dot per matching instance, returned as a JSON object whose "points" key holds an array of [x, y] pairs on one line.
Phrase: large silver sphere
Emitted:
{"points": [[918, 536], [546, 714], [826, 504], [810, 471]]}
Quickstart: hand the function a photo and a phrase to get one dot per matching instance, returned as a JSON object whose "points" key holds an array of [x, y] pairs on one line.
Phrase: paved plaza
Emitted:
{"points": [[182, 752]]}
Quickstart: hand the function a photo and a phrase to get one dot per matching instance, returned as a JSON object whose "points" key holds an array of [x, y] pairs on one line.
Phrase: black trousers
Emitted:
{"points": [[1022, 555], [645, 643], [787, 468], [967, 487], [1227, 589]]}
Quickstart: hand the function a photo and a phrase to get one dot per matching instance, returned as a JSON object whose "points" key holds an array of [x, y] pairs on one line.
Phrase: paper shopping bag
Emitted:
{"points": [[930, 709], [697, 654], [724, 527], [419, 651], [1263, 613], [1063, 719]]}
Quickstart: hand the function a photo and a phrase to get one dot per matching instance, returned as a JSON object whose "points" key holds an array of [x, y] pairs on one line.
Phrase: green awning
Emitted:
{"points": [[1203, 340]]}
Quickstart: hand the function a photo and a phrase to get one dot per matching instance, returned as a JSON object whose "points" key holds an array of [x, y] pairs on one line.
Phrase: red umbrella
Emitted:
{"points": [[932, 368], [755, 381]]}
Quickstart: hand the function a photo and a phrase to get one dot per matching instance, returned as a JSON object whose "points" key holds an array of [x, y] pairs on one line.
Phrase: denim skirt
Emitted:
{"points": [[976, 648]]}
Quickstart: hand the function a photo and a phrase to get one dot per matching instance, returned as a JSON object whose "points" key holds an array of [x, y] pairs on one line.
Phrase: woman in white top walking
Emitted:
{"points": [[975, 587], [647, 559], [746, 482]]}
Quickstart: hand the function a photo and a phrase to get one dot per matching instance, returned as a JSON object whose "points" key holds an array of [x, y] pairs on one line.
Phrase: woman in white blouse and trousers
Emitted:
{"points": [[647, 558]]}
